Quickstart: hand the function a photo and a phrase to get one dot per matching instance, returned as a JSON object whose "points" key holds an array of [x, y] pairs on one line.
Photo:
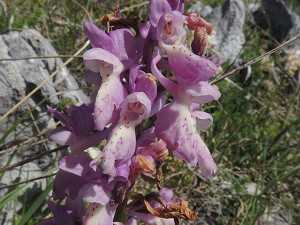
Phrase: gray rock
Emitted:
{"points": [[228, 21], [17, 79], [274, 14]]}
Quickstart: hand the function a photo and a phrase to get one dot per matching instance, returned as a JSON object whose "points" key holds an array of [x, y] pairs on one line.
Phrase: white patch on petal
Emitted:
{"points": [[120, 146], [109, 98], [98, 214]]}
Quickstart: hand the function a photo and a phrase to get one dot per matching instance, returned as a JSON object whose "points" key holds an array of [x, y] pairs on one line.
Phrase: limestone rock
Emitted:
{"points": [[17, 79], [20, 77], [275, 15], [228, 21]]}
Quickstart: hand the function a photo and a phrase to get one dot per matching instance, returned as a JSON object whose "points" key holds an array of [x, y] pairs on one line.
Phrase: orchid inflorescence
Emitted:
{"points": [[147, 90]]}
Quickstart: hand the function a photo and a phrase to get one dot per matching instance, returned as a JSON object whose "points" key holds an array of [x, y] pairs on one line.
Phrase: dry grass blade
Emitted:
{"points": [[25, 146], [35, 125], [29, 142], [84, 9], [44, 82], [255, 60], [27, 181], [41, 57], [134, 6], [30, 159]]}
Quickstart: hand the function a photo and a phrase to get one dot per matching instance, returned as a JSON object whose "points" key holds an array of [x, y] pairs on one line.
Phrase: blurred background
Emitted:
{"points": [[254, 139]]}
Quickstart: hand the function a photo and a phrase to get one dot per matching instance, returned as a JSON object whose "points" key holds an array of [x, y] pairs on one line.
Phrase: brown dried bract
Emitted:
{"points": [[159, 175], [200, 41], [194, 20], [177, 210], [114, 22], [118, 193], [145, 164]]}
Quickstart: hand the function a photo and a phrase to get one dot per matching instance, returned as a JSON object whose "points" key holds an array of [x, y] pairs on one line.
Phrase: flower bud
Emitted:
{"points": [[146, 163], [193, 20], [158, 150], [200, 41]]}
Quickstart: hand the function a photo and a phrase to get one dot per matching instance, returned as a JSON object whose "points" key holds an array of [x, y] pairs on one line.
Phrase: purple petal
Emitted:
{"points": [[66, 120], [188, 67], [77, 206], [169, 85], [176, 126], [61, 136], [60, 213], [83, 143], [79, 166], [144, 28], [129, 49], [99, 60], [83, 121], [146, 137], [147, 84], [134, 73], [170, 27], [157, 8], [176, 5], [205, 161], [202, 92], [122, 172], [99, 214], [98, 38], [203, 120], [108, 102], [135, 108], [158, 105], [64, 183], [92, 77], [167, 195], [149, 219], [95, 193]]}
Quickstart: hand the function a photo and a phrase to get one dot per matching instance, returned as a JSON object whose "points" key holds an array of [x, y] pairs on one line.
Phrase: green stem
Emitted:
{"points": [[121, 212]]}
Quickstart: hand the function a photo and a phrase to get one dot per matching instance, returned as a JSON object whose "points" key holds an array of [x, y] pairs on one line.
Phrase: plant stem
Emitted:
{"points": [[121, 212]]}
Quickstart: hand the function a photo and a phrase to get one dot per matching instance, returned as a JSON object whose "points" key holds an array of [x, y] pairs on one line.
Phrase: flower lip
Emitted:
{"points": [[169, 28], [99, 60], [136, 107]]}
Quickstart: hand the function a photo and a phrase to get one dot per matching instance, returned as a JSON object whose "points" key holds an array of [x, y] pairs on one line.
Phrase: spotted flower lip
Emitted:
{"points": [[99, 214], [121, 143], [169, 28], [100, 60], [176, 125], [107, 102]]}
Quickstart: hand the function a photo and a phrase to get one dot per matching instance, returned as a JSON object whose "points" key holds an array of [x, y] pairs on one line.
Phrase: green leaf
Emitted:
{"points": [[12, 195], [23, 219]]}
